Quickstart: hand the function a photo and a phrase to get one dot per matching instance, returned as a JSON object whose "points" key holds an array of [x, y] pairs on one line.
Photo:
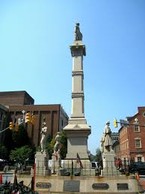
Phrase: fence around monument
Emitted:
{"points": [[75, 169]]}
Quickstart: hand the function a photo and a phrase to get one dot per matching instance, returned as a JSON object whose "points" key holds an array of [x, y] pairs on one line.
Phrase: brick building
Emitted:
{"points": [[132, 137], [17, 103], [15, 98], [3, 111]]}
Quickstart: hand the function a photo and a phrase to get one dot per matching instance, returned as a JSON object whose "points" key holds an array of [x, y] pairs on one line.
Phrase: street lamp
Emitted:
{"points": [[23, 112]]}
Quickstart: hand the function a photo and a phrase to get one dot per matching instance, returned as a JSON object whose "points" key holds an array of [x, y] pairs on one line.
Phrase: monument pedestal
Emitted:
{"points": [[41, 161], [109, 168], [88, 185], [77, 132], [78, 168]]}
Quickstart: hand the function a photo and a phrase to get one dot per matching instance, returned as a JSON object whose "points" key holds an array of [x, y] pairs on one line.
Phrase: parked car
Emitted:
{"points": [[97, 167], [137, 167], [94, 165]]}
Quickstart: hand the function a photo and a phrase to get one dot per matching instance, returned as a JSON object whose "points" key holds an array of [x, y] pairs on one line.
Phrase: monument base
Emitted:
{"points": [[78, 167], [41, 161], [88, 185], [109, 168]]}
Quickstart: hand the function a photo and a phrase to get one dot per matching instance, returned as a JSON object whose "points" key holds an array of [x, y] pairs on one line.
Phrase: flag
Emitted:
{"points": [[15, 182], [79, 161]]}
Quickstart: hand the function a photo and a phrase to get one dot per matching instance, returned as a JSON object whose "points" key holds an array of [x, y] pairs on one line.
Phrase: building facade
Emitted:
{"points": [[15, 98], [132, 137], [3, 113], [17, 103]]}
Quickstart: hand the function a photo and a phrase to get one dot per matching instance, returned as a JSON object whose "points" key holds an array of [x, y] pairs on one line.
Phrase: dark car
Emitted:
{"points": [[137, 167]]}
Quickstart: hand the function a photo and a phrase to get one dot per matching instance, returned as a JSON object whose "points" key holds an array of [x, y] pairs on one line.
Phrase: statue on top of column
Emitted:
{"points": [[78, 34]]}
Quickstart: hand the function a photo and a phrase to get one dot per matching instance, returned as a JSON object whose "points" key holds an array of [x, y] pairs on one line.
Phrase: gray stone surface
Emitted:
{"points": [[88, 185], [109, 169], [41, 161]]}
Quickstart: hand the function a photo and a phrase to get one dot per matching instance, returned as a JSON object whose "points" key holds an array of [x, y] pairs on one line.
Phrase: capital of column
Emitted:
{"points": [[78, 49]]}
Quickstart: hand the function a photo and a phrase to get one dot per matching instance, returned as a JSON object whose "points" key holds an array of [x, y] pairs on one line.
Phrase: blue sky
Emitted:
{"points": [[35, 36]]}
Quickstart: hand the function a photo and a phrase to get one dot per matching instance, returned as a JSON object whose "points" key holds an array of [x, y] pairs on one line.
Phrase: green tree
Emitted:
{"points": [[6, 136], [63, 142], [3, 152], [20, 138], [98, 156], [92, 157], [21, 154], [50, 145]]}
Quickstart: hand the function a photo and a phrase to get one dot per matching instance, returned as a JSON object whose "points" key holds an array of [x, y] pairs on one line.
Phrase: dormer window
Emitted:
{"points": [[136, 125]]}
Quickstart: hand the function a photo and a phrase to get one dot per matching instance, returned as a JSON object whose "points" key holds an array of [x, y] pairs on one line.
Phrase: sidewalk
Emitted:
{"points": [[141, 181]]}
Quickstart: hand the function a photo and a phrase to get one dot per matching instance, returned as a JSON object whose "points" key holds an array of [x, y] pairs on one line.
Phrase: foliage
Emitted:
{"points": [[98, 155], [20, 137], [14, 139], [8, 142], [20, 188], [21, 154], [63, 142], [92, 157], [50, 145], [6, 137], [3, 152]]}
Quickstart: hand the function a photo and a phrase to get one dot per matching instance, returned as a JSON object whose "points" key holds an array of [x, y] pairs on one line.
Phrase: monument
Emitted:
{"points": [[77, 130], [108, 153]]}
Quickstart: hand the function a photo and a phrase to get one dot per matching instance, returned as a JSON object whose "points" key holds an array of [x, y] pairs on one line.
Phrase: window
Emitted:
{"points": [[139, 159], [138, 143], [136, 128], [136, 125]]}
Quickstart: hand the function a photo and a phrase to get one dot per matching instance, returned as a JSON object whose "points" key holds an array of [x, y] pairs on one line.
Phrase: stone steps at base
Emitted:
{"points": [[89, 185], [47, 192]]}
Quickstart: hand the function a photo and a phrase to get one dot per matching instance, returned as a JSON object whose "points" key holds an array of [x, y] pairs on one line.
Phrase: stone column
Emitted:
{"points": [[77, 130]]}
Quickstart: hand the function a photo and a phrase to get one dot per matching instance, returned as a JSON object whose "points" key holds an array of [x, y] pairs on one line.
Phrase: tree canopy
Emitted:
{"points": [[21, 154]]}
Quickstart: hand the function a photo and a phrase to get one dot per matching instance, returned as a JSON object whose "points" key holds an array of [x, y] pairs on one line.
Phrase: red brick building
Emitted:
{"points": [[132, 137], [17, 103]]}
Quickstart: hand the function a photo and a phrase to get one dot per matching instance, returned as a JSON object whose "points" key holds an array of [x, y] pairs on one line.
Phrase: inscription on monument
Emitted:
{"points": [[100, 186], [43, 185], [71, 186], [122, 186]]}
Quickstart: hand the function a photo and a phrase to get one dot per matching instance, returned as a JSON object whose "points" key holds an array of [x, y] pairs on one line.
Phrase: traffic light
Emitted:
{"points": [[33, 119], [11, 125], [16, 127], [28, 117], [115, 123]]}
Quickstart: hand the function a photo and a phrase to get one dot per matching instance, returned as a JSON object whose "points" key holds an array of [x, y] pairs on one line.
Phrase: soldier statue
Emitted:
{"points": [[78, 34], [106, 141]]}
